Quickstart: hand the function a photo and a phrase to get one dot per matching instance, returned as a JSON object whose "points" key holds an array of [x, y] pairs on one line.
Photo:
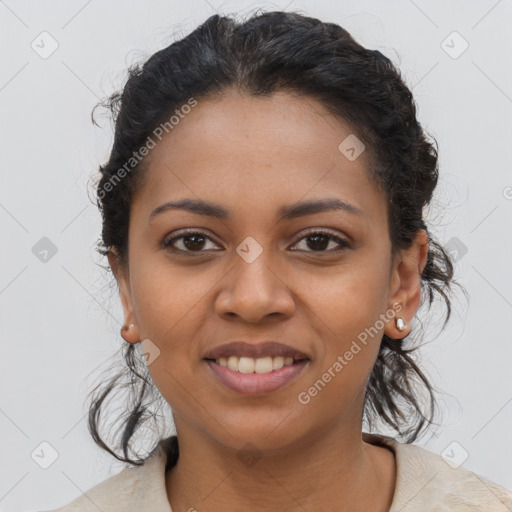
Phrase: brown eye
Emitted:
{"points": [[193, 241], [319, 241], [197, 242]]}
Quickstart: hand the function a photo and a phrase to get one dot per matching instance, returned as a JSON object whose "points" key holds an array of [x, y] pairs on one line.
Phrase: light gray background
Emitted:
{"points": [[59, 321]]}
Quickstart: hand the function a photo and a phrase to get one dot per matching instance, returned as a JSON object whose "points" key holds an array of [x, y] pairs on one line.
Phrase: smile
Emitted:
{"points": [[249, 376], [253, 365]]}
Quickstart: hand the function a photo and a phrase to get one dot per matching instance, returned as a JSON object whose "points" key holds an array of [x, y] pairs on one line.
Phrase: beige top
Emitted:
{"points": [[425, 483]]}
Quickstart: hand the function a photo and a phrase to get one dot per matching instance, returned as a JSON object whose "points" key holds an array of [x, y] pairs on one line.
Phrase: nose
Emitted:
{"points": [[254, 291]]}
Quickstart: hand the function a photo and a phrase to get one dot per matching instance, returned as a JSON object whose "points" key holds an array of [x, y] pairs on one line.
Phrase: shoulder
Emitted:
{"points": [[427, 482], [132, 489]]}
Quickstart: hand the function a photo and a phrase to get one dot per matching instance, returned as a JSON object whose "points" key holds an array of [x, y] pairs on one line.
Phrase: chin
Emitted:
{"points": [[273, 431]]}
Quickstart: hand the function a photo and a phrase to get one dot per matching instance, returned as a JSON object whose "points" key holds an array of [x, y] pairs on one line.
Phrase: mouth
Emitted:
{"points": [[255, 369], [256, 384], [256, 365]]}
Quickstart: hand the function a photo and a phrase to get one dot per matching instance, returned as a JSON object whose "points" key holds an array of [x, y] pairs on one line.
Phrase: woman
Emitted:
{"points": [[263, 217]]}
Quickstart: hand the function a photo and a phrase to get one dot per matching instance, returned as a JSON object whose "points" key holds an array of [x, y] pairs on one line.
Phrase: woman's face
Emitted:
{"points": [[254, 275]]}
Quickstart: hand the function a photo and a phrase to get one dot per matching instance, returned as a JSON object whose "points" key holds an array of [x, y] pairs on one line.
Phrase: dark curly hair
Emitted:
{"points": [[281, 51]]}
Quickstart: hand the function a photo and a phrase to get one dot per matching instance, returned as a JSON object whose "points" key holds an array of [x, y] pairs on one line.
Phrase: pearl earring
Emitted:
{"points": [[127, 327], [400, 324]]}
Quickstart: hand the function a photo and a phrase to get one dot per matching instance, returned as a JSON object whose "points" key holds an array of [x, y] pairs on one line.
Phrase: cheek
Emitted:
{"points": [[168, 311], [350, 299], [350, 305], [167, 298]]}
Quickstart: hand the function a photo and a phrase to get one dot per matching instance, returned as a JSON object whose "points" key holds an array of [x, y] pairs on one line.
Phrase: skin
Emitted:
{"points": [[252, 156]]}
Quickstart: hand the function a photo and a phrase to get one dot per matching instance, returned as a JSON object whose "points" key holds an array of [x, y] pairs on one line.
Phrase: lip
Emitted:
{"points": [[254, 384], [255, 350]]}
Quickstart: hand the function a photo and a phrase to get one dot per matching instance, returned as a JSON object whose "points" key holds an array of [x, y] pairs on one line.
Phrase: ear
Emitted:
{"points": [[405, 284], [123, 282]]}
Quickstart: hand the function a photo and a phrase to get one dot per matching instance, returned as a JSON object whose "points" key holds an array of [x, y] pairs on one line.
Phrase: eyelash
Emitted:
{"points": [[167, 244]]}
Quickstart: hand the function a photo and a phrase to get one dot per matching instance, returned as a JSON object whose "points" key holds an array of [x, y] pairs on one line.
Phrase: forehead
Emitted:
{"points": [[259, 150]]}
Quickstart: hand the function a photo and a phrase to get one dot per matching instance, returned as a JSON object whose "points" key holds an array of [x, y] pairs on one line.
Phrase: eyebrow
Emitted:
{"points": [[289, 212]]}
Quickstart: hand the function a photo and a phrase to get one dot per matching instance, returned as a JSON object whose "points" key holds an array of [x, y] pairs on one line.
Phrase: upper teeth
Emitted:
{"points": [[250, 365]]}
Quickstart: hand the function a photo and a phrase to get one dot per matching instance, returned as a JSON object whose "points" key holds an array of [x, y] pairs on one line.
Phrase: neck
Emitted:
{"points": [[333, 471]]}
